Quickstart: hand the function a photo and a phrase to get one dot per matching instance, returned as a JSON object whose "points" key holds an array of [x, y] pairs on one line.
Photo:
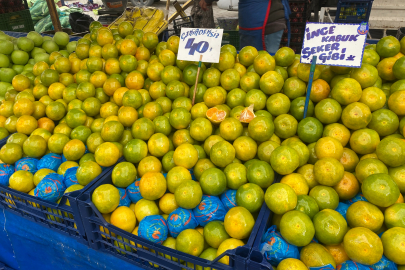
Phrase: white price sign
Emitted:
{"points": [[334, 44], [195, 42]]}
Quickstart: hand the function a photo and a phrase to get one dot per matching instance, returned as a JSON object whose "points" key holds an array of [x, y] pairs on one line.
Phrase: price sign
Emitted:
{"points": [[335, 44], [195, 42]]}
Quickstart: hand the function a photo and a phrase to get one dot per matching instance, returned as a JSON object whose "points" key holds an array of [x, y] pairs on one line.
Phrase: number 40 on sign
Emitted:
{"points": [[200, 47]]}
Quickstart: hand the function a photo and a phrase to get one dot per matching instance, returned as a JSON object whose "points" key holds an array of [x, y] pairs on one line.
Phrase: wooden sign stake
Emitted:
{"points": [[167, 9], [54, 15], [196, 80]]}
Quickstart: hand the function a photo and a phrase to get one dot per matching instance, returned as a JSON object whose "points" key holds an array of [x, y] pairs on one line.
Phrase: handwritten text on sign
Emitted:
{"points": [[335, 44], [199, 41]]}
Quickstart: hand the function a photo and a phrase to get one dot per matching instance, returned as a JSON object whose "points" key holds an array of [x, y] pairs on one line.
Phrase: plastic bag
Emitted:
{"points": [[358, 197], [64, 159], [342, 209], [50, 161], [70, 177], [6, 171], [209, 209], [80, 22], [64, 21], [27, 164], [133, 191], [39, 10], [40, 16], [384, 264], [124, 199], [180, 220], [192, 174], [51, 187], [275, 248], [148, 19], [153, 228], [30, 3], [228, 199], [325, 267], [154, 20], [43, 25], [351, 265]]}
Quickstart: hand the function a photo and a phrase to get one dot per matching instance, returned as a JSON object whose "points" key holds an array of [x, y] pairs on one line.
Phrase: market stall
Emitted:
{"points": [[120, 149]]}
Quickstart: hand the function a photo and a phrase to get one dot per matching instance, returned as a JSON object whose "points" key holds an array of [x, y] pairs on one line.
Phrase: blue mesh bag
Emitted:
{"points": [[133, 191], [275, 248], [124, 198], [209, 209], [51, 187], [342, 209], [325, 267], [192, 174], [351, 265], [228, 199], [180, 220], [384, 264], [358, 197], [70, 177], [153, 228], [6, 171], [50, 161], [27, 164], [314, 240]]}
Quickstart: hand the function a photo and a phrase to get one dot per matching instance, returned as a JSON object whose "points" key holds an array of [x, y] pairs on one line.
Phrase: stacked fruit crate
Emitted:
{"points": [[15, 16], [298, 18], [9, 6], [353, 11]]}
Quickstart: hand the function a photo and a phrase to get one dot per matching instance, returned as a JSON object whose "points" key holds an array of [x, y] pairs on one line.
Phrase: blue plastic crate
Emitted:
{"points": [[166, 34], [256, 259], [60, 217], [5, 267], [22, 34], [3, 141], [353, 11], [372, 41], [143, 253], [182, 22]]}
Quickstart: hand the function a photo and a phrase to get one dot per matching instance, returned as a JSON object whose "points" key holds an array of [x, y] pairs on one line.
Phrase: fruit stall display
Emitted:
{"points": [[239, 174]]}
